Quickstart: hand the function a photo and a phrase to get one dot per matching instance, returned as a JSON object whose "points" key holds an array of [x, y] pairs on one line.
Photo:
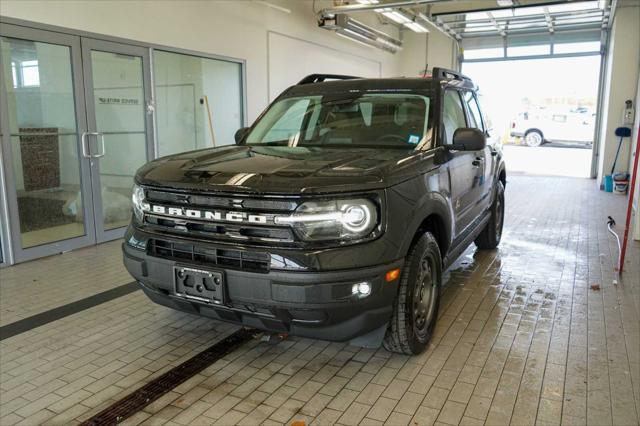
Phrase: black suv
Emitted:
{"points": [[332, 217]]}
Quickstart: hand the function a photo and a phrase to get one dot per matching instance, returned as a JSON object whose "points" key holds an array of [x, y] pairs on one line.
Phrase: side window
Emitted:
{"points": [[452, 115], [475, 116]]}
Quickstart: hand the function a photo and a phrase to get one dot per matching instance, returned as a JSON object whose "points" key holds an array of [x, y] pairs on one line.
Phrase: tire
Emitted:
{"points": [[415, 309], [533, 138], [490, 236]]}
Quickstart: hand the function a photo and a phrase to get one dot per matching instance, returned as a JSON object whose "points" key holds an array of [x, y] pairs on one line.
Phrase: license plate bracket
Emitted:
{"points": [[198, 284]]}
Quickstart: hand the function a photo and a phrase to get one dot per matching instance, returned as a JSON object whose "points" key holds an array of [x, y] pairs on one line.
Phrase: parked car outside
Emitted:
{"points": [[540, 125]]}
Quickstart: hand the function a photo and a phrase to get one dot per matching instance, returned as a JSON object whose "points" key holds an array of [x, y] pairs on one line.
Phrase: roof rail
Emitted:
{"points": [[446, 73], [319, 78]]}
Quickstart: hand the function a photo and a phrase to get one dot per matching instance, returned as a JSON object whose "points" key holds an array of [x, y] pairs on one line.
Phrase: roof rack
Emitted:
{"points": [[448, 74], [319, 78]]}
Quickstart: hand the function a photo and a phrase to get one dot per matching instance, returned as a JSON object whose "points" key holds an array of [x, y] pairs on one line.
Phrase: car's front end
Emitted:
{"points": [[310, 268]]}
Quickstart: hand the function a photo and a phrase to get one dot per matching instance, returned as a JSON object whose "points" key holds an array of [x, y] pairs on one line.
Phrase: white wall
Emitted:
{"points": [[621, 82], [421, 51], [236, 29]]}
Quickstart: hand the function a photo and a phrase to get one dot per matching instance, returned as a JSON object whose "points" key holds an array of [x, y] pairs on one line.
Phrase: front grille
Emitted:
{"points": [[232, 259], [221, 230]]}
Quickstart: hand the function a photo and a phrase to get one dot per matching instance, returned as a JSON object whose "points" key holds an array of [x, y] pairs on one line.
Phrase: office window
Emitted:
{"points": [[198, 101]]}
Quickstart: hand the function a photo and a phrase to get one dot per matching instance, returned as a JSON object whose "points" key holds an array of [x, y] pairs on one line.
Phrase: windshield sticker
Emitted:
{"points": [[414, 139]]}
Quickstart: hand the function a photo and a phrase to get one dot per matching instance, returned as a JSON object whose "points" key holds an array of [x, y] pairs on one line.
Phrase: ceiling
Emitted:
{"points": [[532, 17], [481, 18]]}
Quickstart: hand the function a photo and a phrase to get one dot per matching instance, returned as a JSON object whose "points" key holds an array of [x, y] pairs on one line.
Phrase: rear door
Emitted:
{"points": [[462, 170]]}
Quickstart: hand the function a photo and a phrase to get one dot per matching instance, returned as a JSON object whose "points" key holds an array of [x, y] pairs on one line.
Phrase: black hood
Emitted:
{"points": [[281, 170]]}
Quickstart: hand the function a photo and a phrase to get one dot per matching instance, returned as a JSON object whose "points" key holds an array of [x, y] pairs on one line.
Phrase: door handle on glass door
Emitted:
{"points": [[85, 147], [103, 151], [478, 161]]}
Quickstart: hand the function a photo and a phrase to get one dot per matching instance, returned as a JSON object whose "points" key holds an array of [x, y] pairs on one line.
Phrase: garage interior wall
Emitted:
{"points": [[425, 51], [621, 81], [242, 29]]}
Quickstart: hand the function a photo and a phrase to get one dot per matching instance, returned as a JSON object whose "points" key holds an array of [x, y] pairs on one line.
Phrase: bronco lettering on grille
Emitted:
{"points": [[211, 215]]}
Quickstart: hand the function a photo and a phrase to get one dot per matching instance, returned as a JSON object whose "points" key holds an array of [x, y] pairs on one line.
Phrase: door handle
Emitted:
{"points": [[103, 151], [85, 146], [477, 161]]}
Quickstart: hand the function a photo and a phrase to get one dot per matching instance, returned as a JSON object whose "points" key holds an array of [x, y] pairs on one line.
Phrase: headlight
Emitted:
{"points": [[137, 199], [332, 220]]}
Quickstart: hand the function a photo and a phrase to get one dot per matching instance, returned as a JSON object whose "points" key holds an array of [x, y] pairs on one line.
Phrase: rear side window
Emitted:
{"points": [[474, 110], [452, 115]]}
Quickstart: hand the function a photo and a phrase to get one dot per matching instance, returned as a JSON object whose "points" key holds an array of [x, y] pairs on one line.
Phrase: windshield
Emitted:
{"points": [[349, 120]]}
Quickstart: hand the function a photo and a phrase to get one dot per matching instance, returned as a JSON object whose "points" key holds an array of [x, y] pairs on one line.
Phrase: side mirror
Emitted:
{"points": [[240, 134], [468, 139]]}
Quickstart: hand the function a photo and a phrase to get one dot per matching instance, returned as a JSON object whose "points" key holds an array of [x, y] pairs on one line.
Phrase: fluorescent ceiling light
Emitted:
{"points": [[368, 1], [505, 3], [573, 7], [417, 27], [402, 18], [473, 16], [357, 31], [501, 13], [395, 15], [526, 11]]}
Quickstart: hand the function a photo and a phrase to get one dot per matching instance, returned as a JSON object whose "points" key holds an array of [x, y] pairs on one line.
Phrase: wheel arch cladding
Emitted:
{"points": [[423, 212], [502, 175]]}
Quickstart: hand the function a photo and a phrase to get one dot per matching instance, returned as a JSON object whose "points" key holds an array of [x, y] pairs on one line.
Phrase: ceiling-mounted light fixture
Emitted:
{"points": [[368, 1], [505, 3], [403, 18], [357, 31], [417, 27], [395, 15]]}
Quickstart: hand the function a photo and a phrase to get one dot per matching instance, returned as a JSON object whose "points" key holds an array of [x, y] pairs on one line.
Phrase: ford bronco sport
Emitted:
{"points": [[332, 217]]}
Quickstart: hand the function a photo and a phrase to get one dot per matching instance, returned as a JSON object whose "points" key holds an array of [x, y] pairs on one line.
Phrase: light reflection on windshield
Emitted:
{"points": [[380, 120]]}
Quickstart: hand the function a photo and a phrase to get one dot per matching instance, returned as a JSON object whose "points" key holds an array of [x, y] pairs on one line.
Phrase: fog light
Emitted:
{"points": [[361, 289]]}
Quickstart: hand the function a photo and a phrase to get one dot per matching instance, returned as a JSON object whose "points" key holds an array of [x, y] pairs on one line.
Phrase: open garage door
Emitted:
{"points": [[538, 69]]}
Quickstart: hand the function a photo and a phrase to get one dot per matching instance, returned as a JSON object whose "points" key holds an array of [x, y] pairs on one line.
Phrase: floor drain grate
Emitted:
{"points": [[136, 401]]}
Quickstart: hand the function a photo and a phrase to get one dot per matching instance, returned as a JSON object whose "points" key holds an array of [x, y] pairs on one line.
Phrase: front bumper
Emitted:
{"points": [[310, 304]]}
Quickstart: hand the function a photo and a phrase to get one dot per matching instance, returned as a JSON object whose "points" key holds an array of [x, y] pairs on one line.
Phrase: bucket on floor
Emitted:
{"points": [[621, 186], [608, 183]]}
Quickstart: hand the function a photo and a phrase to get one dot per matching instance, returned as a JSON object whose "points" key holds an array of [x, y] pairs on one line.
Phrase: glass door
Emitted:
{"points": [[42, 116], [119, 137]]}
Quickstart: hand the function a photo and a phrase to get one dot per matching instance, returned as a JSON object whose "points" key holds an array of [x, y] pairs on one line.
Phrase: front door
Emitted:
{"points": [[118, 139], [74, 128], [42, 115], [463, 166]]}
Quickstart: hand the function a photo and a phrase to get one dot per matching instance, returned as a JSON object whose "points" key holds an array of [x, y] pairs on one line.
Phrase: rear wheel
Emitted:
{"points": [[490, 236], [416, 306], [533, 138]]}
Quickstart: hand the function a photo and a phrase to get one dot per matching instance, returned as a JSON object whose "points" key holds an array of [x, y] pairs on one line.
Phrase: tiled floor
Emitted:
{"points": [[522, 338], [34, 287]]}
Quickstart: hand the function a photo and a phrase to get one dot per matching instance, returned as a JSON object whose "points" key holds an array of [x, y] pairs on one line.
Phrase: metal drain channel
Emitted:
{"points": [[136, 401]]}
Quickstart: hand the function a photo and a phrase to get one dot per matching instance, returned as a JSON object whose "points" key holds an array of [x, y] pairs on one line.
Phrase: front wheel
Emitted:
{"points": [[490, 236], [415, 309]]}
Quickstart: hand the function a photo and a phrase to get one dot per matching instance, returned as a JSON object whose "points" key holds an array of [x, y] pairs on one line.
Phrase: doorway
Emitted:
{"points": [[75, 127], [542, 110]]}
